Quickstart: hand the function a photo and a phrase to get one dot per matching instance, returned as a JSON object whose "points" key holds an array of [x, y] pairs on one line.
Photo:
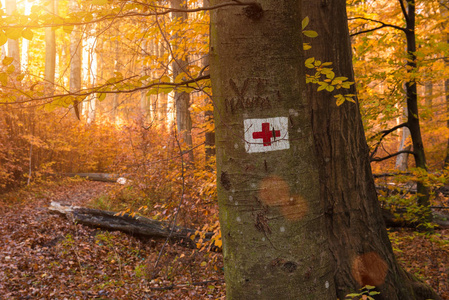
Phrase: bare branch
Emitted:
{"points": [[99, 89], [384, 133], [383, 24], [155, 11], [376, 159]]}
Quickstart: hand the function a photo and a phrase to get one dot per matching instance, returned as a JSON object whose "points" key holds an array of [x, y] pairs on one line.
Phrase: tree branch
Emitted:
{"points": [[154, 12], [85, 93], [404, 11], [384, 133], [391, 155], [383, 24]]}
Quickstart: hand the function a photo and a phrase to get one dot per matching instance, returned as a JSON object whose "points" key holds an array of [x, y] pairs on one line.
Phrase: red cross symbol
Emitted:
{"points": [[266, 134]]}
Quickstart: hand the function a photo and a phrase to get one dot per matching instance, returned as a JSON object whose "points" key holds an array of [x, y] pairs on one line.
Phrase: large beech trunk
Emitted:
{"points": [[298, 212]]}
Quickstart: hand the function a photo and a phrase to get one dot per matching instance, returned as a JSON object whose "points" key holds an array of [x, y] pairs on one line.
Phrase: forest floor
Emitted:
{"points": [[45, 256]]}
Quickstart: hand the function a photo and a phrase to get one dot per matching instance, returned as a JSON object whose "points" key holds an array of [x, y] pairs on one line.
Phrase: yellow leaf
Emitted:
{"points": [[305, 22], [28, 34], [13, 33], [10, 69], [3, 78], [99, 2], [310, 60], [101, 96], [7, 61], [3, 38], [310, 33]]}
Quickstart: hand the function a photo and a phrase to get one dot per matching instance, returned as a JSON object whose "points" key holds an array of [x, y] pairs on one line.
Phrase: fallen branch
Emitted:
{"points": [[105, 177], [136, 225]]}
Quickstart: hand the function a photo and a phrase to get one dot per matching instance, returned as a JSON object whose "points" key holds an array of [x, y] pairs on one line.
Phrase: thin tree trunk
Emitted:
{"points": [[13, 45], [75, 60], [115, 98], [412, 102], [182, 99], [402, 159], [50, 51], [445, 14]]}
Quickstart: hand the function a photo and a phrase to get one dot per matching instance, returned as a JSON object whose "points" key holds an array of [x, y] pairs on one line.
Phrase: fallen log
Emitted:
{"points": [[104, 177], [135, 225]]}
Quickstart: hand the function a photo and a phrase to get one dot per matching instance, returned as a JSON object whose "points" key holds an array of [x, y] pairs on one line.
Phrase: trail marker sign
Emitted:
{"points": [[263, 135]]}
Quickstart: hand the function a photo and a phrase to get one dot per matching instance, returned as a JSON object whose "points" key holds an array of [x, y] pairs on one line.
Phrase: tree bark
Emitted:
{"points": [[13, 45], [302, 222], [182, 99], [445, 14], [75, 61], [412, 101], [135, 225], [50, 51], [274, 240]]}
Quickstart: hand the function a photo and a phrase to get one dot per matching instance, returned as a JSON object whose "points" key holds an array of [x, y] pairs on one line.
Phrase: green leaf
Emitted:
{"points": [[310, 33], [7, 61], [305, 22], [28, 34]]}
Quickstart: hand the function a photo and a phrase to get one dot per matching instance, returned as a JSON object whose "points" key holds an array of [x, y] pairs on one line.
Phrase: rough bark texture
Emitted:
{"points": [[412, 101], [303, 222], [274, 239], [355, 228]]}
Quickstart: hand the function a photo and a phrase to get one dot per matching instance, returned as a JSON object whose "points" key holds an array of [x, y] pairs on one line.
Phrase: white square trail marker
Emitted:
{"points": [[263, 135]]}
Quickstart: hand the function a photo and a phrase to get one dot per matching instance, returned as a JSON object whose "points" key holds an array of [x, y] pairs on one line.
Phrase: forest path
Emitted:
{"points": [[45, 256]]}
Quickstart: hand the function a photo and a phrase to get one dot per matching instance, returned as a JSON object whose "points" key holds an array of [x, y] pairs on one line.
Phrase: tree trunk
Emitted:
{"points": [[274, 240], [115, 97], [402, 159], [445, 14], [298, 207], [13, 45], [412, 102], [182, 99], [50, 51], [75, 60]]}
